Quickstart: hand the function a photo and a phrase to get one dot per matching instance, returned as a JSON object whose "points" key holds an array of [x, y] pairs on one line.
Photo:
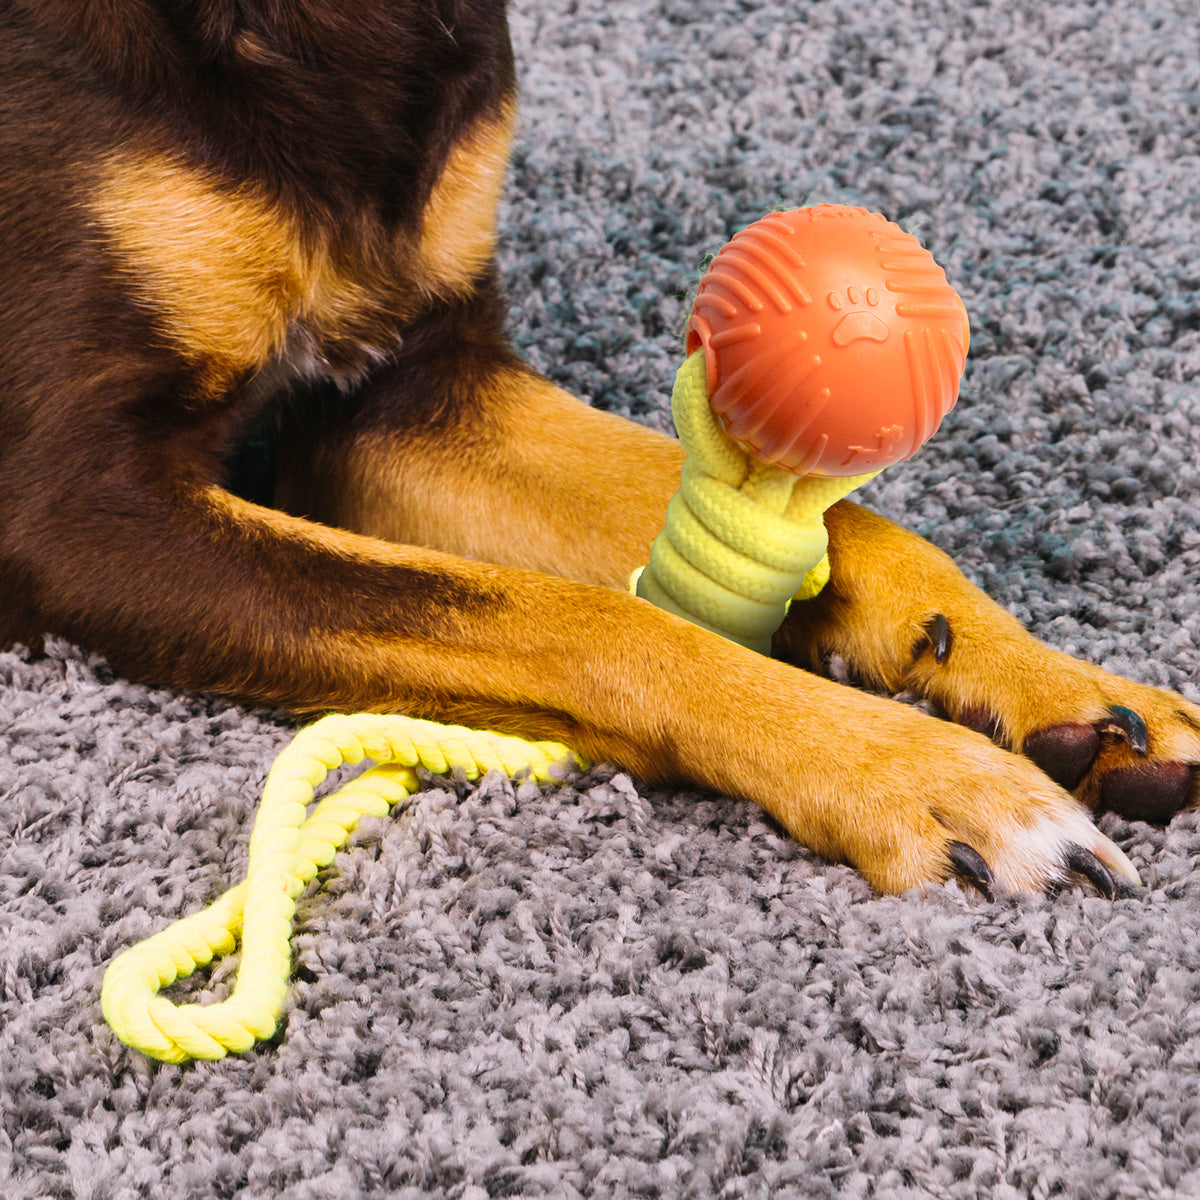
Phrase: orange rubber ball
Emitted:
{"points": [[833, 344]]}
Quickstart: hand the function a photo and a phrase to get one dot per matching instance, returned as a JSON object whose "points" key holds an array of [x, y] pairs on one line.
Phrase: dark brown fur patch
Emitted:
{"points": [[206, 205]]}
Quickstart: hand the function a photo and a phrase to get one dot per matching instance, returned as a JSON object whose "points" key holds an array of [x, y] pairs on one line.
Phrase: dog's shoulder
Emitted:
{"points": [[272, 183]]}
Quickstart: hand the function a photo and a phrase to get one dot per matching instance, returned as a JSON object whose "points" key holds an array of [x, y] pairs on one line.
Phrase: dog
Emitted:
{"points": [[231, 215]]}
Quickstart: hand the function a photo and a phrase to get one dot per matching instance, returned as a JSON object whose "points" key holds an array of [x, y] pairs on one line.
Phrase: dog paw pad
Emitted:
{"points": [[1064, 752], [1152, 792]]}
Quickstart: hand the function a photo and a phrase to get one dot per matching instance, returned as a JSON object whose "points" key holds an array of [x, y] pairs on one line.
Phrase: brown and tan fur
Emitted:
{"points": [[227, 213]]}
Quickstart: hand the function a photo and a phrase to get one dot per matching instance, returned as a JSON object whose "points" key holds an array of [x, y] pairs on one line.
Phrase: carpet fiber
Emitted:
{"points": [[603, 991]]}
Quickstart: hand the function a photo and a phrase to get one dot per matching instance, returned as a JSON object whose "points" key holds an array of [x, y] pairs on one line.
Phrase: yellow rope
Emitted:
{"points": [[742, 538], [288, 847]]}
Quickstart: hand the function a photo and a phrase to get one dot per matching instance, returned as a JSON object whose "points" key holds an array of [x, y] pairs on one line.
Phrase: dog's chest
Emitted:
{"points": [[242, 288]]}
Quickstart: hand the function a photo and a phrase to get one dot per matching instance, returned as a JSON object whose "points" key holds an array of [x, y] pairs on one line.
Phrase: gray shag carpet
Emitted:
{"points": [[602, 991]]}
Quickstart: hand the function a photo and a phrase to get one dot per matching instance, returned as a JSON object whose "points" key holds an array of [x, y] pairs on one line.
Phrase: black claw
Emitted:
{"points": [[1084, 862], [1128, 726], [937, 632], [968, 864]]}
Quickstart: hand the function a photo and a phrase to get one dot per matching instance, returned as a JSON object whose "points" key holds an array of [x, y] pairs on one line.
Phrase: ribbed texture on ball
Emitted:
{"points": [[833, 343]]}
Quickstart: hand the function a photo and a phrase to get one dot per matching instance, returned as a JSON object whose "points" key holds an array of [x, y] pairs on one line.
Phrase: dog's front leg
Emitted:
{"points": [[537, 479], [483, 458], [903, 617]]}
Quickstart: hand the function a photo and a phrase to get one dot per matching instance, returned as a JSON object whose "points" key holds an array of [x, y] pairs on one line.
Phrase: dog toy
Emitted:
{"points": [[287, 848], [824, 344]]}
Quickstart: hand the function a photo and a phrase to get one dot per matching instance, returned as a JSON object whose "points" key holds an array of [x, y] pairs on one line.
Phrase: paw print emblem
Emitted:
{"points": [[860, 323], [886, 438]]}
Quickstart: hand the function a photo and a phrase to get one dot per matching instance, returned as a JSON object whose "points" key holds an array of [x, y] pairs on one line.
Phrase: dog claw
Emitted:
{"points": [[1128, 726], [940, 639], [968, 864], [1084, 862]]}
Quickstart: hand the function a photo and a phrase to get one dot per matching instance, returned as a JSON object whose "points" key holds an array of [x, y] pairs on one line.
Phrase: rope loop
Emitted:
{"points": [[288, 846], [742, 538]]}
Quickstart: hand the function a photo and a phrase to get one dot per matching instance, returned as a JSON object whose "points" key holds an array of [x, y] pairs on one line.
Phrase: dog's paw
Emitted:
{"points": [[901, 617], [1006, 827], [928, 800], [1117, 745]]}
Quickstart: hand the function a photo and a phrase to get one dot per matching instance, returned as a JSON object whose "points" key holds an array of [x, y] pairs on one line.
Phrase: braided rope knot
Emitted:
{"points": [[288, 846], [742, 538]]}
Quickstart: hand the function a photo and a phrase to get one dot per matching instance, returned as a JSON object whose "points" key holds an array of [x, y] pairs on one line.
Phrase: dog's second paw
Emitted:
{"points": [[930, 800], [1117, 745], [902, 618], [1011, 829]]}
